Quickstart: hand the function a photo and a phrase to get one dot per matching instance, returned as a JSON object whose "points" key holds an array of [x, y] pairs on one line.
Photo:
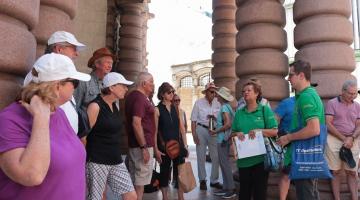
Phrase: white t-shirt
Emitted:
{"points": [[71, 114]]}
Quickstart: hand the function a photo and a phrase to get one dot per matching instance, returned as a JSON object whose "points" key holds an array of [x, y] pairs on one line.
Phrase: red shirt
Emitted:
{"points": [[137, 104]]}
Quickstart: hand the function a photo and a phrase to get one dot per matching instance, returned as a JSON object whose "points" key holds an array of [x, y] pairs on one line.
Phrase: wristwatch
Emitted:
{"points": [[142, 147]]}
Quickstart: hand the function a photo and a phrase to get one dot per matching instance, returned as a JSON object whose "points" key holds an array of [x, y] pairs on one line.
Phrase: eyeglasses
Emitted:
{"points": [[176, 100], [352, 94], [170, 92], [75, 82], [73, 47]]}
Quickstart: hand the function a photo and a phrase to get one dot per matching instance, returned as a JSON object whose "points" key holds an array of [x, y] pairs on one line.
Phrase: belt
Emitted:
{"points": [[203, 125]]}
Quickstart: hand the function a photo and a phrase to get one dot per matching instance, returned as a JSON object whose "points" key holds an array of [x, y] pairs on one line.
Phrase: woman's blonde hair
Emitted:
{"points": [[45, 90]]}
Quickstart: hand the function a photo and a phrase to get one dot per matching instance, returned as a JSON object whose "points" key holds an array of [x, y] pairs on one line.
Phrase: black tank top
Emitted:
{"points": [[168, 123], [103, 141]]}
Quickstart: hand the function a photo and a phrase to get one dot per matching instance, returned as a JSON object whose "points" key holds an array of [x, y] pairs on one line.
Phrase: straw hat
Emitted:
{"points": [[208, 86], [225, 93]]}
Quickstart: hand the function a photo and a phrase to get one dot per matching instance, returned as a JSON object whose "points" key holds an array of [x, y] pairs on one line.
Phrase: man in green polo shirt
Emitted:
{"points": [[310, 107]]}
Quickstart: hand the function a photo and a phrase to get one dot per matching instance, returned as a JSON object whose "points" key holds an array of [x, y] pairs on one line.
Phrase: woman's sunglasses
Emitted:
{"points": [[170, 92], [75, 82]]}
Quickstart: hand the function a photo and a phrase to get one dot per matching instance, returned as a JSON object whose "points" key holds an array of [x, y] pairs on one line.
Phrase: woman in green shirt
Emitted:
{"points": [[252, 118]]}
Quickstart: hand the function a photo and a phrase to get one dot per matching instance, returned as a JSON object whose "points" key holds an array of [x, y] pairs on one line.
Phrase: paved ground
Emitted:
{"points": [[196, 194]]}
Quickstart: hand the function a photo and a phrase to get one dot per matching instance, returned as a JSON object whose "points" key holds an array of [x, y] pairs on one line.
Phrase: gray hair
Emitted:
{"points": [[51, 48], [349, 83], [142, 77]]}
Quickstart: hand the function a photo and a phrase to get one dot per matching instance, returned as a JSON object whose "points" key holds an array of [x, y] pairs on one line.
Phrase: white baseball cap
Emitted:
{"points": [[54, 66], [63, 36], [113, 78]]}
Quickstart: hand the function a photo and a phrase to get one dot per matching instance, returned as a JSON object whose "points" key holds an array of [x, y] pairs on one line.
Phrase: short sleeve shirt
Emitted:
{"points": [[345, 116], [285, 111], [87, 91], [202, 109], [225, 108], [245, 121], [308, 105], [65, 178], [137, 104]]}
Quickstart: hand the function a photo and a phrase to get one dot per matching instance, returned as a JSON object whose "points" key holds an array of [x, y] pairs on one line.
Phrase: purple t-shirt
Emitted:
{"points": [[137, 104], [345, 116], [65, 178]]}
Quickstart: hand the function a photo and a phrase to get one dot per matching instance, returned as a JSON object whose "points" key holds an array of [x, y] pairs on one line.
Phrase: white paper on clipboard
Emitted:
{"points": [[250, 147]]}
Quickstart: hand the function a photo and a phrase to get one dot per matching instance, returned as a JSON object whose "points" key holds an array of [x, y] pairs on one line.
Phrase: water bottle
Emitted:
{"points": [[212, 123]]}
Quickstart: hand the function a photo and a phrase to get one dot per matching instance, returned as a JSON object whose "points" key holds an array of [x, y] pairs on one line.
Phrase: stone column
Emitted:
{"points": [[55, 15], [130, 48], [146, 15], [111, 25], [130, 57], [17, 54], [323, 35], [261, 41], [224, 33]]}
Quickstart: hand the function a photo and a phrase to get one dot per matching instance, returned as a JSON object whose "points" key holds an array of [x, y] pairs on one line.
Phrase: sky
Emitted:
{"points": [[180, 33]]}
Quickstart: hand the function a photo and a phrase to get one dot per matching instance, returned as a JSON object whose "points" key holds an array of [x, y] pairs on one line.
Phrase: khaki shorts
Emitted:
{"points": [[332, 150], [139, 171]]}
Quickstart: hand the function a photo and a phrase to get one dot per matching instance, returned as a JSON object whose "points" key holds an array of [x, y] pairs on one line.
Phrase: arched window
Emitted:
{"points": [[186, 82], [204, 79]]}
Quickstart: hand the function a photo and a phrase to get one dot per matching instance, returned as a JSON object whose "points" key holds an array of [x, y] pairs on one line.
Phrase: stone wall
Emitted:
{"points": [[17, 19], [90, 29]]}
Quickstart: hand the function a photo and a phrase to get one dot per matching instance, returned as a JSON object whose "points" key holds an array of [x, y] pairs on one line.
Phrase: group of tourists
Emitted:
{"points": [[252, 114], [61, 138]]}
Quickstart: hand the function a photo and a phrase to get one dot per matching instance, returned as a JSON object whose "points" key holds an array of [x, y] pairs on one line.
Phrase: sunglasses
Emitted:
{"points": [[73, 81], [170, 92], [212, 92]]}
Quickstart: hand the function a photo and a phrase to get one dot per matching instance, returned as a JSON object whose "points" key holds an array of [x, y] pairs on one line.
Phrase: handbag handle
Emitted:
{"points": [[270, 139], [275, 147]]}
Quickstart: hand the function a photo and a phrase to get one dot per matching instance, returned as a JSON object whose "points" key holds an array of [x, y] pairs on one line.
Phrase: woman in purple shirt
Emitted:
{"points": [[40, 154]]}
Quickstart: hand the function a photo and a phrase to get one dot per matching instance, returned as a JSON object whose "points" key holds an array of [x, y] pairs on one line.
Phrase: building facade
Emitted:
{"points": [[189, 81]]}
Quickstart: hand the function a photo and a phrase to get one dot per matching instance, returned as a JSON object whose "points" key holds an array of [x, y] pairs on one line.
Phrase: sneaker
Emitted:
{"points": [[203, 185], [220, 193], [229, 195], [216, 185]]}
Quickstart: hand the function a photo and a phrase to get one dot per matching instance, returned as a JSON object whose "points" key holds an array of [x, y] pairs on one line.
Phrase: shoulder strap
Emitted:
{"points": [[230, 109], [263, 112]]}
